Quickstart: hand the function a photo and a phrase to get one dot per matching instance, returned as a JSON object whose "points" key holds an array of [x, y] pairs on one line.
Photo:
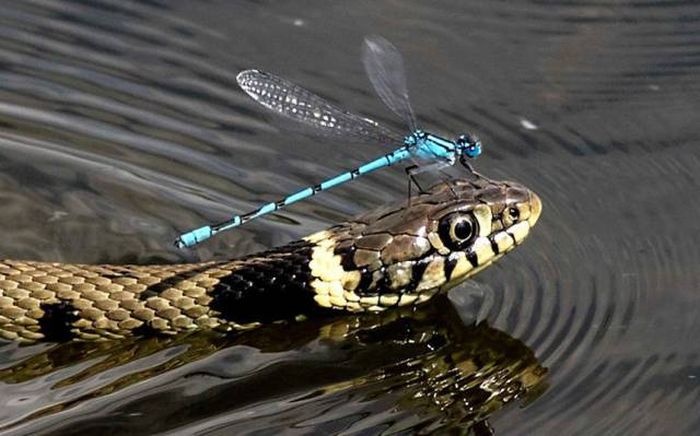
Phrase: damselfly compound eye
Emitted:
{"points": [[469, 144]]}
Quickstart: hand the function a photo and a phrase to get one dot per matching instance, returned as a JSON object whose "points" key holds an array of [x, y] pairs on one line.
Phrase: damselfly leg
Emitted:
{"points": [[410, 176], [447, 179], [466, 164], [413, 170]]}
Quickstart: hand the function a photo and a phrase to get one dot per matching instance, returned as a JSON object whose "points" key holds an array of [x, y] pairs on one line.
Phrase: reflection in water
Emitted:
{"points": [[432, 373]]}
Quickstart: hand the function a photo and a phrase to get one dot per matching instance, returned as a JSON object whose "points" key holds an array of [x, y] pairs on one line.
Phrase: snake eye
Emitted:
{"points": [[457, 230]]}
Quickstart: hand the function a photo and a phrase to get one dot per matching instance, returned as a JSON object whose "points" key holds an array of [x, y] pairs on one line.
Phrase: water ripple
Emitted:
{"points": [[121, 125]]}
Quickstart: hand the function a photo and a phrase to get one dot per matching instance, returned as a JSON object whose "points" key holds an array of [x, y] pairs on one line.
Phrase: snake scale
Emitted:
{"points": [[397, 255]]}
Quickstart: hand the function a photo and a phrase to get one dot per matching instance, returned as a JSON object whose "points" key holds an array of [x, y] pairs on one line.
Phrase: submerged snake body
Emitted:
{"points": [[396, 256]]}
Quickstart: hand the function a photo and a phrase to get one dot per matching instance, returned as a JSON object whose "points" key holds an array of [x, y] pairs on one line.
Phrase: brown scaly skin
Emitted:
{"points": [[399, 255]]}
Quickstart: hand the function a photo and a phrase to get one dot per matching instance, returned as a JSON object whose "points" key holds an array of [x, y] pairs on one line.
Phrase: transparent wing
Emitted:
{"points": [[384, 67], [320, 116]]}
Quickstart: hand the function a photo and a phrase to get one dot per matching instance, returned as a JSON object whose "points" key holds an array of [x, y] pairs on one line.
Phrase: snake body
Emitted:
{"points": [[398, 255]]}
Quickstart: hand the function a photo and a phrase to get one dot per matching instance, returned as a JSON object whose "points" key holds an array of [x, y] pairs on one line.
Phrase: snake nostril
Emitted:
{"points": [[513, 213]]}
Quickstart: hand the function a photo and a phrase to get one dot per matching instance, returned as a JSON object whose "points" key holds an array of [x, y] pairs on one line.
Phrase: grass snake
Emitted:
{"points": [[397, 255]]}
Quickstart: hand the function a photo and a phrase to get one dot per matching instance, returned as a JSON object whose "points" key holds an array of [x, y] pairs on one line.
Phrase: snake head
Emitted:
{"points": [[405, 254]]}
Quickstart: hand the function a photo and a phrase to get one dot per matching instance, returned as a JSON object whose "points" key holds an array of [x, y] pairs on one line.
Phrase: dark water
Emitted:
{"points": [[121, 125]]}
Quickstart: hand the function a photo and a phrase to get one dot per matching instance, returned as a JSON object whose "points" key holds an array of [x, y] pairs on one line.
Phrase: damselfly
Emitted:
{"points": [[384, 66]]}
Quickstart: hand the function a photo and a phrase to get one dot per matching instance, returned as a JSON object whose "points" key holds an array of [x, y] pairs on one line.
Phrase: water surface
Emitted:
{"points": [[121, 125]]}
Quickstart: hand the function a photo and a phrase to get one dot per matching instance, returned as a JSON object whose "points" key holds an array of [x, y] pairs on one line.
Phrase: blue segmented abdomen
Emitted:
{"points": [[299, 196], [203, 233], [384, 161]]}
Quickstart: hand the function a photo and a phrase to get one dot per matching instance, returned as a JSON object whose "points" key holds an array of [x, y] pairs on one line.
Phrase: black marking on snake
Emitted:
{"points": [[365, 281], [57, 323], [383, 285], [273, 289], [472, 258], [145, 329], [157, 288], [450, 264], [347, 256], [417, 272], [515, 242], [494, 245]]}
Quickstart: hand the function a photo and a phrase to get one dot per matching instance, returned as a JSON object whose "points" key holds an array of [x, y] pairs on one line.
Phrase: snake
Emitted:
{"points": [[399, 254]]}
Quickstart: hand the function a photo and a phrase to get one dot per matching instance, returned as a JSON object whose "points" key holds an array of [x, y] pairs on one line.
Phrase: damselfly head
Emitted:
{"points": [[469, 145]]}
